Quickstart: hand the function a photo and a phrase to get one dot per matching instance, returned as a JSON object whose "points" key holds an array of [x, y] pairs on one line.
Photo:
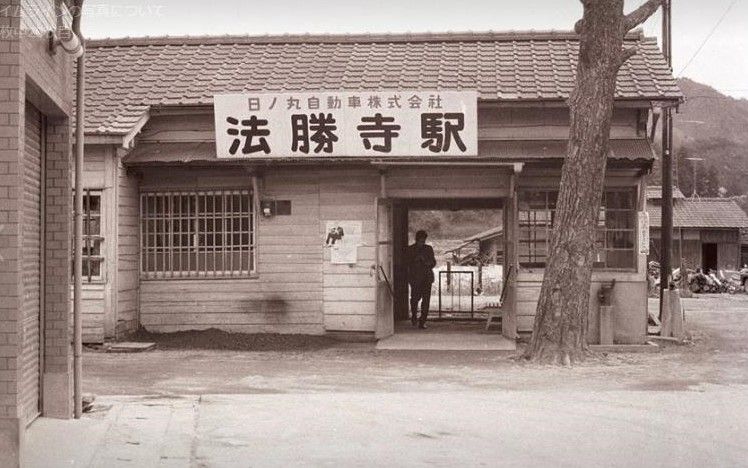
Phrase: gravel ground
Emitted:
{"points": [[717, 355]]}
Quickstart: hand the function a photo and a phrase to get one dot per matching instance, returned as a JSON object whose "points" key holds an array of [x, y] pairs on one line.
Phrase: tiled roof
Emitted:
{"points": [[654, 192], [502, 150], [702, 213], [125, 77]]}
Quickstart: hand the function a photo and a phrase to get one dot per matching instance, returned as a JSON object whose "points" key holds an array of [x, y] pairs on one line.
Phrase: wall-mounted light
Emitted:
{"points": [[271, 207], [68, 40], [266, 207]]}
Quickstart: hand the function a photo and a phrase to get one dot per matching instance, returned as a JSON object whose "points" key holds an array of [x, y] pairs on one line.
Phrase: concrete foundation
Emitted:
{"points": [[58, 395], [11, 440]]}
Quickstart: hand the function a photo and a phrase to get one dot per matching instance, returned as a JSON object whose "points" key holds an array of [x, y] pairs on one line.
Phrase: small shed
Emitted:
{"points": [[707, 231], [485, 248]]}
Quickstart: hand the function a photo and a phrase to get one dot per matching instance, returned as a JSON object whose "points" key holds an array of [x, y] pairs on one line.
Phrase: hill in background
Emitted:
{"points": [[714, 127]]}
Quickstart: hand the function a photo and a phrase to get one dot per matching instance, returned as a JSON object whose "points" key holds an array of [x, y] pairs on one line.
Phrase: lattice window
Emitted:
{"points": [[93, 240], [197, 234], [537, 210], [615, 245]]}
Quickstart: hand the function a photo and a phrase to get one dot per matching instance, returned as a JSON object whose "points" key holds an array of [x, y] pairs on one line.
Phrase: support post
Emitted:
{"points": [[78, 235], [667, 169]]}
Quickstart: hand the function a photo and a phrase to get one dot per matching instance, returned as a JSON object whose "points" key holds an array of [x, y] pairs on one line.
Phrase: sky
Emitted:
{"points": [[710, 38]]}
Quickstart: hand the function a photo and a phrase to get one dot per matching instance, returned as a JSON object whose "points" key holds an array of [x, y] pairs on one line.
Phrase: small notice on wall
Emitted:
{"points": [[644, 232], [343, 239]]}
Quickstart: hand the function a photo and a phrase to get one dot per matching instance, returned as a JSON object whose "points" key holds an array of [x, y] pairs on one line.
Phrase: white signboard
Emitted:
{"points": [[365, 123], [644, 232], [343, 239]]}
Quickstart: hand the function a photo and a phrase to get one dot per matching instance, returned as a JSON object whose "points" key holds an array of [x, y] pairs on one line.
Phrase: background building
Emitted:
{"points": [[706, 231]]}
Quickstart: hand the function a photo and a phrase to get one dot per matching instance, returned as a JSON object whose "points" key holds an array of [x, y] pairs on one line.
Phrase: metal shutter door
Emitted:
{"points": [[31, 264]]}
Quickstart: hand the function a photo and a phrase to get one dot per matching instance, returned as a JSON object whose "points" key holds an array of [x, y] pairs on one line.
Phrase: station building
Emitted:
{"points": [[186, 234], [36, 95]]}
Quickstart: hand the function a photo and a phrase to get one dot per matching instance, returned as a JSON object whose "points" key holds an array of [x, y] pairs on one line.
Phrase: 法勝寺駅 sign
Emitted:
{"points": [[366, 123]]}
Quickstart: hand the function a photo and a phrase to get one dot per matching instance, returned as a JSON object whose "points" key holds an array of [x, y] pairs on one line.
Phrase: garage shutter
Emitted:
{"points": [[31, 263]]}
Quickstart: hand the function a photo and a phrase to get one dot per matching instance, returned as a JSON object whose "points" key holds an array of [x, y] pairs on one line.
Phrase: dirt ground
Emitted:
{"points": [[717, 356], [351, 405]]}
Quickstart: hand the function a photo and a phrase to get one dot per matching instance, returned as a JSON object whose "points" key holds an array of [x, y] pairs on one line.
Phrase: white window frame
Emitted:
{"points": [[88, 239], [182, 242]]}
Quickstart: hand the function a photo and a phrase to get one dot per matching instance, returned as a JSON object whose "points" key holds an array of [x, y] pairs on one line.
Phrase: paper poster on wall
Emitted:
{"points": [[644, 232], [343, 239]]}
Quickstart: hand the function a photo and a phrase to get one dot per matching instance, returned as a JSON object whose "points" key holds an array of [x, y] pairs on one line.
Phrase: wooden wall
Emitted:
{"points": [[128, 252], [285, 296], [727, 240], [296, 289], [349, 290], [447, 182], [517, 123], [97, 297]]}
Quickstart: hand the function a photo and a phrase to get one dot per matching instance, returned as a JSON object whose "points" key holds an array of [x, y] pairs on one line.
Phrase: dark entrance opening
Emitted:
{"points": [[468, 244], [709, 257]]}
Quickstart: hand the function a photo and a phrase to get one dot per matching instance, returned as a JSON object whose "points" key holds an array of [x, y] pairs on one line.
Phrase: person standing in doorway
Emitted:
{"points": [[420, 263]]}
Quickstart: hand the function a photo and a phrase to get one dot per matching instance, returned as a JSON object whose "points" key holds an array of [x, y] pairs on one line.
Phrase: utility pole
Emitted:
{"points": [[694, 161], [667, 164]]}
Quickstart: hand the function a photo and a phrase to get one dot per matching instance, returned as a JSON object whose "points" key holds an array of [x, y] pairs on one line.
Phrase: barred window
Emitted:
{"points": [[615, 245], [197, 234]]}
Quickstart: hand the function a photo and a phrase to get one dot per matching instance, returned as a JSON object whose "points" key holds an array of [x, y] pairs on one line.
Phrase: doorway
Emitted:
{"points": [[467, 237], [709, 257]]}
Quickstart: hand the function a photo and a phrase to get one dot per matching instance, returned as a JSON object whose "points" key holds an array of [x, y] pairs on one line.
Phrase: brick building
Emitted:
{"points": [[36, 94]]}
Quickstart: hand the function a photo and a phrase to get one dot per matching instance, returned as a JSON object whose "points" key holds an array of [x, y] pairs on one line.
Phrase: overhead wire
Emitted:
{"points": [[708, 36]]}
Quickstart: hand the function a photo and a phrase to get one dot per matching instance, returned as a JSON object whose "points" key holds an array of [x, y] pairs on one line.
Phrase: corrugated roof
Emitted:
{"points": [[488, 150], [702, 213], [125, 77]]}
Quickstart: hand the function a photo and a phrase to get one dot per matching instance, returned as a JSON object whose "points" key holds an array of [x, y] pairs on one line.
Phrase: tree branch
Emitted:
{"points": [[579, 25], [640, 15], [626, 54]]}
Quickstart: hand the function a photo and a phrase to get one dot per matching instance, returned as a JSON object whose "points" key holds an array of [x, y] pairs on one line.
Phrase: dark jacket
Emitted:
{"points": [[420, 263]]}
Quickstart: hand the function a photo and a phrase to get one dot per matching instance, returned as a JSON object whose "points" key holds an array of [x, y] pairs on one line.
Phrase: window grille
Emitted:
{"points": [[197, 234], [615, 244]]}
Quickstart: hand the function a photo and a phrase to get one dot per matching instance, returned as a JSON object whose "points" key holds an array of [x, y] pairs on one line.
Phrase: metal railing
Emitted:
{"points": [[456, 294]]}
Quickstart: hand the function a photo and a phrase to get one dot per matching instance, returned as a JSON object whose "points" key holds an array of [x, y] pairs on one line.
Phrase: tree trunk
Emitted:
{"points": [[560, 328]]}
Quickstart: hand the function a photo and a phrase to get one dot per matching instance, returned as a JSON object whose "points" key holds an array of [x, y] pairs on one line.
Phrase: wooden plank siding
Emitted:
{"points": [[295, 288], [95, 296], [286, 293], [127, 253], [349, 290]]}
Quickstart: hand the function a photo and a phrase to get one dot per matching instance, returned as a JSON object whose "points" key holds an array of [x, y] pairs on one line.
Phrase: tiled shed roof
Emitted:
{"points": [[702, 213], [125, 77], [654, 192]]}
